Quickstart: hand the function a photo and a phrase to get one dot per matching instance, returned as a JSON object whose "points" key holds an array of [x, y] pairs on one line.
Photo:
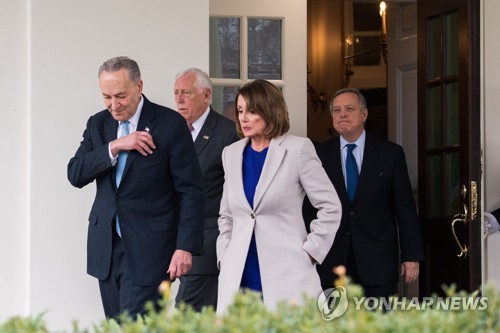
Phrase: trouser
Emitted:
{"points": [[119, 293]]}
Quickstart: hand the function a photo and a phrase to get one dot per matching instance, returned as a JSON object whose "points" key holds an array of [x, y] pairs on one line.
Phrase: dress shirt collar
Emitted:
{"points": [[357, 153], [360, 142], [198, 123], [134, 121]]}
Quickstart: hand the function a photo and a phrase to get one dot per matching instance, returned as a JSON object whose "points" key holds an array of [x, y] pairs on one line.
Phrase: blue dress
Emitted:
{"points": [[253, 162]]}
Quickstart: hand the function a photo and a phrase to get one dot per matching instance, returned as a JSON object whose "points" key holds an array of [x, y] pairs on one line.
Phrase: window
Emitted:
{"points": [[365, 28], [363, 54], [243, 49]]}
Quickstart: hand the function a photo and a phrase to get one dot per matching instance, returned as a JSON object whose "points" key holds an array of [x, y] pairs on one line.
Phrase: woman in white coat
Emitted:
{"points": [[263, 243]]}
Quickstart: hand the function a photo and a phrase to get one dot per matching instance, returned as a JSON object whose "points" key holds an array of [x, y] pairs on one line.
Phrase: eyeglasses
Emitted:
{"points": [[184, 93]]}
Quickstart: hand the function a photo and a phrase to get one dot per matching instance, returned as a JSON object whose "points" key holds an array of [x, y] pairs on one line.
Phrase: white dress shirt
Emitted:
{"points": [[358, 152], [198, 124], [132, 127]]}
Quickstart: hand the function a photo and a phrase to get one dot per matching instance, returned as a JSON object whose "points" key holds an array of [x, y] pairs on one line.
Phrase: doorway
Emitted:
{"points": [[445, 175]]}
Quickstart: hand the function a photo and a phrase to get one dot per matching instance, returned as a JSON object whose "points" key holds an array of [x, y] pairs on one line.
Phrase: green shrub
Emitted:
{"points": [[19, 325], [248, 314]]}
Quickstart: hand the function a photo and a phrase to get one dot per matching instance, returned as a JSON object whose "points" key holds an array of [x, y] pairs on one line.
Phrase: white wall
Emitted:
{"points": [[491, 137], [13, 169], [43, 219], [51, 50], [50, 54]]}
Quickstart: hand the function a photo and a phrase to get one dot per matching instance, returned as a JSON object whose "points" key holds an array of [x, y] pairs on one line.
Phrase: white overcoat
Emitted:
{"points": [[291, 170]]}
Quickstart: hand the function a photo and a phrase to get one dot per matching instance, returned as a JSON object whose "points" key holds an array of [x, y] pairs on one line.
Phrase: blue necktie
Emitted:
{"points": [[120, 166], [351, 171]]}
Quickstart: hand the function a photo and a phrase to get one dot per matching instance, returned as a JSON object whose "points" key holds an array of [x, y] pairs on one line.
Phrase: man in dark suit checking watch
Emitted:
{"points": [[380, 225], [147, 217]]}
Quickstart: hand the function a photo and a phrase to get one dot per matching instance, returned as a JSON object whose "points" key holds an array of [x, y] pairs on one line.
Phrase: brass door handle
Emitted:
{"points": [[460, 218]]}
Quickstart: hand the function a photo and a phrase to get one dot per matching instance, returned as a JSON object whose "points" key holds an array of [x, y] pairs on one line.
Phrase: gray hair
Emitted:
{"points": [[202, 80], [118, 63], [361, 98]]}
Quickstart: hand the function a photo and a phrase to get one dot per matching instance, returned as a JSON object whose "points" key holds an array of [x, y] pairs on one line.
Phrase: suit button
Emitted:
{"points": [[252, 216]]}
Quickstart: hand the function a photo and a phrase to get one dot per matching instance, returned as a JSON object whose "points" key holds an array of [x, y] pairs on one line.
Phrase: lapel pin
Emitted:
{"points": [[206, 137]]}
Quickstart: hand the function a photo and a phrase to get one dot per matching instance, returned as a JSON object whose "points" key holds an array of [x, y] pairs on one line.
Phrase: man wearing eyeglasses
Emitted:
{"points": [[211, 132]]}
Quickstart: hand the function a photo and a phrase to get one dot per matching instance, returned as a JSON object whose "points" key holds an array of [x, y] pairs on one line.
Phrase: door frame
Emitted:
{"points": [[470, 268]]}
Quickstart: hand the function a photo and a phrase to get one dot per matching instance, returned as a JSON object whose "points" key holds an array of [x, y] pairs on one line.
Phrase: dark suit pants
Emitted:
{"points": [[369, 290], [119, 293], [198, 291]]}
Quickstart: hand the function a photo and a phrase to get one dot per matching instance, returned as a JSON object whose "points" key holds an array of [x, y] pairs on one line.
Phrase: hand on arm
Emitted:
{"points": [[141, 141]]}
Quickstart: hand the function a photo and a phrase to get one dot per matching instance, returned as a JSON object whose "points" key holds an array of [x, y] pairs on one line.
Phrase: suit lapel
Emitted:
{"points": [[274, 157], [335, 169], [370, 156], [110, 134], [234, 168], [147, 116], [110, 129], [206, 132]]}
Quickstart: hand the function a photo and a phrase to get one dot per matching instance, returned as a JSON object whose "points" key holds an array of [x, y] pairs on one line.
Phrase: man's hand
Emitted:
{"points": [[180, 264], [409, 270], [141, 141]]}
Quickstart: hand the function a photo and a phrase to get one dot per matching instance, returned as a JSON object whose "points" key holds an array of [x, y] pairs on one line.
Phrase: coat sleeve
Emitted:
{"points": [[188, 184], [323, 197], [225, 217], [410, 237], [91, 160]]}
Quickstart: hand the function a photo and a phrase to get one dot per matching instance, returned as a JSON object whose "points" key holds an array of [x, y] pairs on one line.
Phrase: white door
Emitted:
{"points": [[402, 82], [402, 92], [243, 31]]}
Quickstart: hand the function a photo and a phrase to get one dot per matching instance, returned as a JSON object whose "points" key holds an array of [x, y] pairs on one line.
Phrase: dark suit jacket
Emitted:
{"points": [[381, 221], [217, 132], [159, 201], [496, 214]]}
